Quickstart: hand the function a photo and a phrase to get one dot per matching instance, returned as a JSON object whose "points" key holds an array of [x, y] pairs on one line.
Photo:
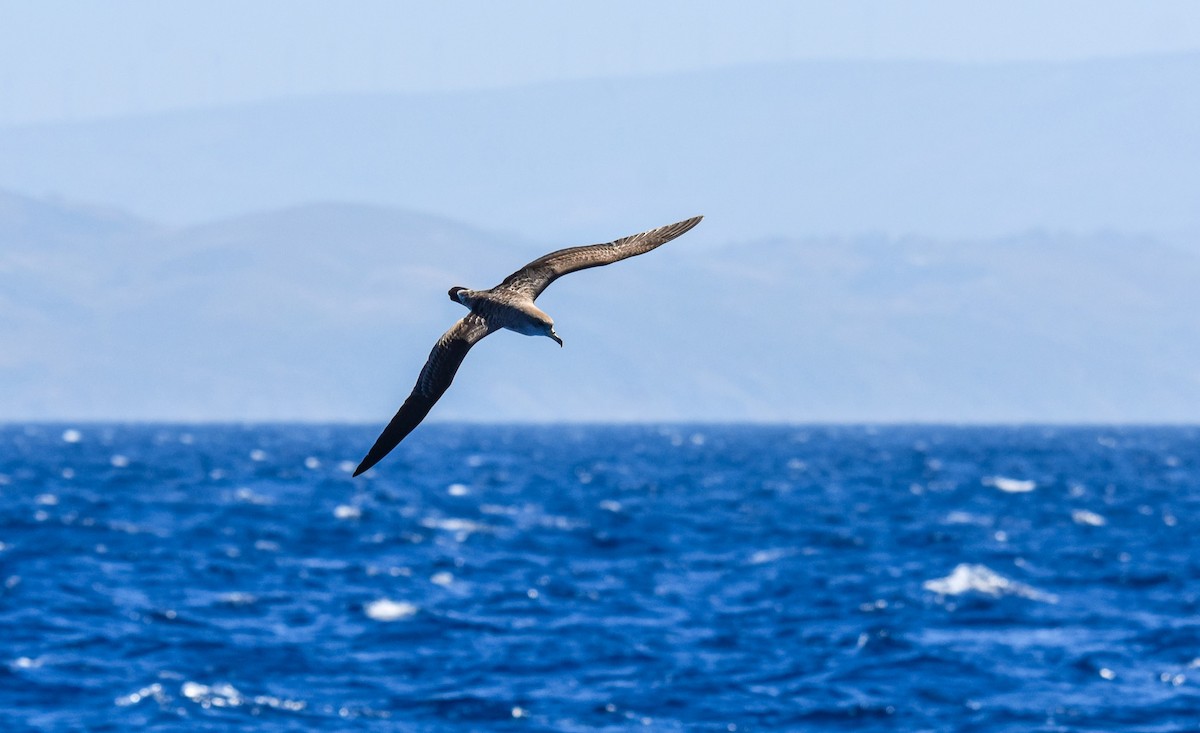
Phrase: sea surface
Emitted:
{"points": [[649, 578]]}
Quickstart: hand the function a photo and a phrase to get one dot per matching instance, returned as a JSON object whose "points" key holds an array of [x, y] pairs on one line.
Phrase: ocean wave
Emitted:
{"points": [[968, 578]]}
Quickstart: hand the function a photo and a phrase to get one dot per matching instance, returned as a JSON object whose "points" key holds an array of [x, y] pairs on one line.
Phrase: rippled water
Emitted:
{"points": [[608, 578]]}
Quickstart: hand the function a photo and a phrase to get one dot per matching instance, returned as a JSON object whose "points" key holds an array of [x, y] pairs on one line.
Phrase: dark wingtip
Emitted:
{"points": [[682, 227], [368, 462]]}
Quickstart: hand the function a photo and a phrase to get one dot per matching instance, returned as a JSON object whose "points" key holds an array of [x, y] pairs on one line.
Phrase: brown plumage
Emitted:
{"points": [[508, 305]]}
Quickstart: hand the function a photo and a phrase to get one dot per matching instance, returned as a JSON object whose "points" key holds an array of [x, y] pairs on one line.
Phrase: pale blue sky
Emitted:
{"points": [[80, 59]]}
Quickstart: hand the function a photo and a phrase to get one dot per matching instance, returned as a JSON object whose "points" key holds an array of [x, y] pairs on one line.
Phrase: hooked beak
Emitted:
{"points": [[554, 336]]}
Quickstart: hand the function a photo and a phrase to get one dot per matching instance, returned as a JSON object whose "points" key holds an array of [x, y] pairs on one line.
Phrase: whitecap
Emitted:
{"points": [[961, 517], [385, 610], [457, 490], [443, 579], [206, 695], [258, 455], [762, 557], [150, 692], [237, 598], [312, 463], [609, 505], [225, 695], [1010, 485], [119, 461], [1083, 516], [345, 511], [46, 499], [347, 466], [72, 436], [968, 578], [453, 524], [553, 521], [251, 497]]}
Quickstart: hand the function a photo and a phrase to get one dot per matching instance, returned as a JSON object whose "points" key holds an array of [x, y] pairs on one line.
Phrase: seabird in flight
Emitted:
{"points": [[508, 305]]}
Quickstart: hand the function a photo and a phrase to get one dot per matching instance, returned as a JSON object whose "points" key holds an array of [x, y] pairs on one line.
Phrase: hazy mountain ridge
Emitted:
{"points": [[327, 311], [949, 150]]}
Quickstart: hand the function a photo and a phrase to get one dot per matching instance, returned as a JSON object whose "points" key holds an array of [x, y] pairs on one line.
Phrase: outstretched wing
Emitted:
{"points": [[533, 278], [436, 376]]}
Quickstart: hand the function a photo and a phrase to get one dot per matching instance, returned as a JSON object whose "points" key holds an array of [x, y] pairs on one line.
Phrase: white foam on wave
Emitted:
{"points": [[961, 517], [237, 598], [225, 695], [453, 524], [969, 578], [72, 435], [762, 557], [152, 692], [386, 610], [249, 496], [1092, 519], [345, 511], [1010, 485]]}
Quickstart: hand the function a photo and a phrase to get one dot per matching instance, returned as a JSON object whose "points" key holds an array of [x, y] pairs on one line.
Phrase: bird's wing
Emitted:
{"points": [[436, 376], [533, 278]]}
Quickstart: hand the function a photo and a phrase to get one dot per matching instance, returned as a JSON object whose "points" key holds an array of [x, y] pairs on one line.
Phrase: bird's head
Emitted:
{"points": [[548, 331], [454, 291]]}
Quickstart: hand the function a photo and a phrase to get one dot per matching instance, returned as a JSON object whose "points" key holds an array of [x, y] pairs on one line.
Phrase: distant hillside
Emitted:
{"points": [[327, 312], [801, 149]]}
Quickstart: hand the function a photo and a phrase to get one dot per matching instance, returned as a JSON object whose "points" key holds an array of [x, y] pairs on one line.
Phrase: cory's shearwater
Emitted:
{"points": [[508, 305]]}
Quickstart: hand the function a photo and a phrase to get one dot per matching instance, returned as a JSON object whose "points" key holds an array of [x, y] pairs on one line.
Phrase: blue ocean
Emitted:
{"points": [[566, 578]]}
